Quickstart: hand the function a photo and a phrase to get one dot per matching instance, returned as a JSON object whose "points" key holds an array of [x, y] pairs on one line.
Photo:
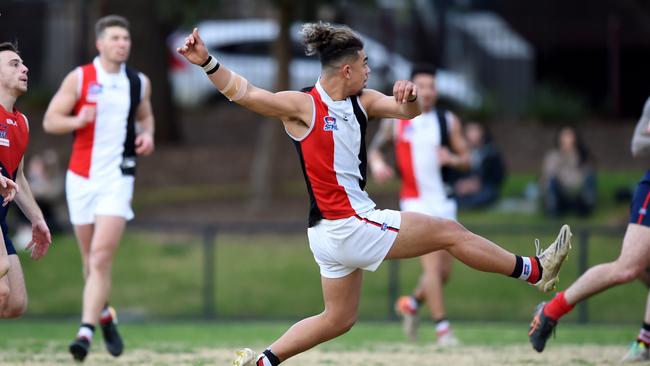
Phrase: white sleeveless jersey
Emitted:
{"points": [[333, 158], [99, 147], [416, 145]]}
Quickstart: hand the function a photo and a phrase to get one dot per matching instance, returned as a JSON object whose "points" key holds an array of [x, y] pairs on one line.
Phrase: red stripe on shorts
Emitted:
{"points": [[377, 224], [644, 208]]}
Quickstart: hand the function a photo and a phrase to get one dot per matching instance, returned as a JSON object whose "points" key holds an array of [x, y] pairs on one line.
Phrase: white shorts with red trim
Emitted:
{"points": [[361, 241], [88, 198], [445, 208]]}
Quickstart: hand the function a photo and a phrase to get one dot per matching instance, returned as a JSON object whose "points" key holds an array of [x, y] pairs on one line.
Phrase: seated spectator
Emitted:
{"points": [[568, 179], [481, 186], [46, 180]]}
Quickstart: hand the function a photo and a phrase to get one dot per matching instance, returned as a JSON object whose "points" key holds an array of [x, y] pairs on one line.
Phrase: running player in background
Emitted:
{"points": [[632, 263], [14, 136], [640, 348], [107, 106], [425, 148], [346, 233]]}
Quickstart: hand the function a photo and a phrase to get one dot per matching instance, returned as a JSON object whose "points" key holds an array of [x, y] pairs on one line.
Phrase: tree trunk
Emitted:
{"points": [[149, 54], [264, 178]]}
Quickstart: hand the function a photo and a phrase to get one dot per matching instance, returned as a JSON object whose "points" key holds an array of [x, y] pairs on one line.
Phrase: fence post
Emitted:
{"points": [[209, 235], [393, 288], [583, 259]]}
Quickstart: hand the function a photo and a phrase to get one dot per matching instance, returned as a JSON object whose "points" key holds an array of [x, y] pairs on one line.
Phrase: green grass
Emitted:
{"points": [[32, 334], [160, 275]]}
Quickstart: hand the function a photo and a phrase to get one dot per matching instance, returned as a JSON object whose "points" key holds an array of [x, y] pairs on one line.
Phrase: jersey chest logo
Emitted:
{"points": [[330, 124], [94, 91], [4, 136]]}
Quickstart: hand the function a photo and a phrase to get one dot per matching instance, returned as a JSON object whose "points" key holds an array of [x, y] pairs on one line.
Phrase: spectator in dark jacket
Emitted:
{"points": [[480, 187]]}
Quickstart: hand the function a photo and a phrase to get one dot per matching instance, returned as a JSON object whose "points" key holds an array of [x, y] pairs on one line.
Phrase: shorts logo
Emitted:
{"points": [[11, 122], [526, 271], [330, 124], [384, 226], [643, 211], [94, 90], [4, 136]]}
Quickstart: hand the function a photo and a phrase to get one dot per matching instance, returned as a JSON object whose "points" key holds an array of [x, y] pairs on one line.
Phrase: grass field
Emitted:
{"points": [[30, 342], [159, 276]]}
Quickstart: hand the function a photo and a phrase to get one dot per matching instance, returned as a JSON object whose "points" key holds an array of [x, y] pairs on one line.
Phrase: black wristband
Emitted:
{"points": [[214, 69], [207, 61]]}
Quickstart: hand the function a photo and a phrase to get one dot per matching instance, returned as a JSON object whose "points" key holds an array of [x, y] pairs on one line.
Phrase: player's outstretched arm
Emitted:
{"points": [[401, 105], [58, 119], [285, 105]]}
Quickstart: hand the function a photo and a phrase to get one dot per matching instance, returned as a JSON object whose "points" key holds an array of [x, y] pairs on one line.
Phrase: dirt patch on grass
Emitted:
{"points": [[374, 354]]}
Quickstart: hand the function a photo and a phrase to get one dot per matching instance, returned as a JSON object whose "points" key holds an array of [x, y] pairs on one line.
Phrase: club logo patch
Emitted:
{"points": [[4, 136], [94, 91], [330, 124]]}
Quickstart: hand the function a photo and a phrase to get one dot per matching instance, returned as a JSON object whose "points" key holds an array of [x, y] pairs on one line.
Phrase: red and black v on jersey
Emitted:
{"points": [[14, 136]]}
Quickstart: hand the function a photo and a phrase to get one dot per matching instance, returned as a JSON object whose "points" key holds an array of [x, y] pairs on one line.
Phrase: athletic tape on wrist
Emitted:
{"points": [[236, 87]]}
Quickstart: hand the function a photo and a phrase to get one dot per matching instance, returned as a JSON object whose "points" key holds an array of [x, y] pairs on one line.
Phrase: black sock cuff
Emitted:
{"points": [[271, 357], [89, 326], [646, 326], [438, 321], [519, 266]]}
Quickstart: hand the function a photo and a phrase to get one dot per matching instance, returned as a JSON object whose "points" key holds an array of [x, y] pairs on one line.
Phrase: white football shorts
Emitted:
{"points": [[361, 241], [445, 208], [88, 198]]}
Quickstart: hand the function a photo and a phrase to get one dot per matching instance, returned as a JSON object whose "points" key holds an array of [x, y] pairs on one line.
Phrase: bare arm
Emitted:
{"points": [[293, 108], [381, 171], [641, 137], [401, 105], [144, 141], [41, 238], [58, 119], [458, 158]]}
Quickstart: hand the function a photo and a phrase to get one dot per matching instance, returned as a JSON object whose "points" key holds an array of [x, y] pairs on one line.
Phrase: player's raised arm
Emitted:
{"points": [[286, 105], [58, 118], [400, 105]]}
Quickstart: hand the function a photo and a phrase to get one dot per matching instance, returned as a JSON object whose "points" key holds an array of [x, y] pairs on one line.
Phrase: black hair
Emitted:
{"points": [[331, 43], [423, 68]]}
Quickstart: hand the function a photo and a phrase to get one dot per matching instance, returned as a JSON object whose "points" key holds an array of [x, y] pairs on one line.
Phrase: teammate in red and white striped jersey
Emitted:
{"points": [[425, 147], [14, 135], [346, 233], [106, 105], [632, 263]]}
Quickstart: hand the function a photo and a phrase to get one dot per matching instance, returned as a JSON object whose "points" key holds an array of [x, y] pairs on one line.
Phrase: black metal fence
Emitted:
{"points": [[210, 233]]}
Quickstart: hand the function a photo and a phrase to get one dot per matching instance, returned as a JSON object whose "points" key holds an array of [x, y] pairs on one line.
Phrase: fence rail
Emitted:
{"points": [[210, 232]]}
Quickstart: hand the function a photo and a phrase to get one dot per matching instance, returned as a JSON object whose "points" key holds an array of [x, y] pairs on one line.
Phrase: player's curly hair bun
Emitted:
{"points": [[330, 42]]}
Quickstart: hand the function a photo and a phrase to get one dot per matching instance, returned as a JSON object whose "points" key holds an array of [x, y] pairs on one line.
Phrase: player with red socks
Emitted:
{"points": [[631, 264]]}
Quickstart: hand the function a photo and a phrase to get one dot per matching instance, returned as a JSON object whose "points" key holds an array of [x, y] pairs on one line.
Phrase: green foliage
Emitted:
{"points": [[554, 103]]}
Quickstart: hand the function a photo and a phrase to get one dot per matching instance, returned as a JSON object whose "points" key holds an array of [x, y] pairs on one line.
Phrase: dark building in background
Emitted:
{"points": [[23, 22], [599, 47]]}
